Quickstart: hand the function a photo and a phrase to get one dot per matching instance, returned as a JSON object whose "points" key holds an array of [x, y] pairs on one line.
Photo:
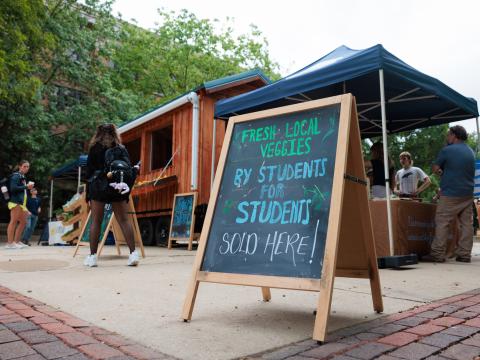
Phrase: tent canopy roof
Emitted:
{"points": [[70, 170], [414, 100]]}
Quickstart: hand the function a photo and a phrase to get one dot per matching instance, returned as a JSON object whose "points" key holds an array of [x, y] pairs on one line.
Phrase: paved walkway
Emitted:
{"points": [[445, 329], [31, 330]]}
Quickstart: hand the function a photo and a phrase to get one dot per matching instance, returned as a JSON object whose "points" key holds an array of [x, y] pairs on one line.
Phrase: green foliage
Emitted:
{"points": [[424, 145], [428, 194], [182, 53]]}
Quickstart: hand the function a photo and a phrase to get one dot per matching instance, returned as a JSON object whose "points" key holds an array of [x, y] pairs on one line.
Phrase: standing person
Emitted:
{"points": [[99, 193], [456, 166], [18, 205], [33, 206], [376, 171], [408, 177]]}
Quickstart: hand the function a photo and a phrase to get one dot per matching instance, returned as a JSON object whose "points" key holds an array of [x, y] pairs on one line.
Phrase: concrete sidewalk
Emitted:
{"points": [[144, 304]]}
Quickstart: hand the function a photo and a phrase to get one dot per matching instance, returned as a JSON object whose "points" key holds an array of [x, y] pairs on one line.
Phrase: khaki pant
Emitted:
{"points": [[448, 209]]}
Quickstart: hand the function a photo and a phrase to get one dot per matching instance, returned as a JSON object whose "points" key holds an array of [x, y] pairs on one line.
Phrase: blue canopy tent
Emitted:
{"points": [[413, 99], [70, 171], [391, 95]]}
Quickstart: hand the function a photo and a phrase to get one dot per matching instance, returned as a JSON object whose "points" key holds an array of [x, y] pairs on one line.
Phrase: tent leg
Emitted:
{"points": [[214, 144], [385, 161], [50, 210], [478, 136]]}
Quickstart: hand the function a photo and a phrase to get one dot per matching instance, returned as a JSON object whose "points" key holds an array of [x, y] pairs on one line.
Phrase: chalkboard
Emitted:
{"points": [[182, 216], [289, 206], [107, 215], [272, 209]]}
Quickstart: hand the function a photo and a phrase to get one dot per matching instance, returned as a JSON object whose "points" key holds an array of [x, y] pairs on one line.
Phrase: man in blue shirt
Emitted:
{"points": [[33, 206], [456, 166]]}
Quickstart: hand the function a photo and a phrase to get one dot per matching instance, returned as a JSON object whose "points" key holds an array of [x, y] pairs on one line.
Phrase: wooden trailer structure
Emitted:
{"points": [[178, 144]]}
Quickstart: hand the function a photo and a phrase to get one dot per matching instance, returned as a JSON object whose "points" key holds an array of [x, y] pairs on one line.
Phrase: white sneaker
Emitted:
{"points": [[10, 246], [20, 245], [133, 258], [90, 261]]}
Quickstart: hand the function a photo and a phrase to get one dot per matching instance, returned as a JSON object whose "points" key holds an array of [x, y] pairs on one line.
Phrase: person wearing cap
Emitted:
{"points": [[456, 166], [408, 178]]}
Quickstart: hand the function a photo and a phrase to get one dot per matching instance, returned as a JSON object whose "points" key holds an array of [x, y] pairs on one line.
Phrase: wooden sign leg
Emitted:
{"points": [[334, 221], [267, 296], [364, 209], [190, 299], [105, 234], [323, 306], [136, 228], [116, 235], [84, 228]]}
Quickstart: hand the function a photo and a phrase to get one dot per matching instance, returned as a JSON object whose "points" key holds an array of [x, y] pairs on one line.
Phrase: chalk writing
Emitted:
{"points": [[272, 209], [182, 216]]}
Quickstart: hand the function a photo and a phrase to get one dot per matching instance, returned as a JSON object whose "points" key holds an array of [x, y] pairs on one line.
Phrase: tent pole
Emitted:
{"points": [[478, 136], [50, 210], [79, 177], [214, 144], [385, 161]]}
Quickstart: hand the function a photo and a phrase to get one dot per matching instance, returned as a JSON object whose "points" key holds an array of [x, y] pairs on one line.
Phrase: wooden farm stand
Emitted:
{"points": [[79, 208], [349, 246]]}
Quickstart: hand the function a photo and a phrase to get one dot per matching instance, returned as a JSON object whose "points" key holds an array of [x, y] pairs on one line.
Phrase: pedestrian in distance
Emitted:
{"points": [[408, 177], [34, 209], [375, 170], [17, 205], [456, 165], [100, 192]]}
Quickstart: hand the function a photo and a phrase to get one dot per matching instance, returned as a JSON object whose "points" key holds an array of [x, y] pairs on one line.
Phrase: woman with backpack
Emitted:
{"points": [[101, 190], [17, 205]]}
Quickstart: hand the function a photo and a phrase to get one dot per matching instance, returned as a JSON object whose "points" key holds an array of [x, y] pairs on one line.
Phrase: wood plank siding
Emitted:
{"points": [[150, 199]]}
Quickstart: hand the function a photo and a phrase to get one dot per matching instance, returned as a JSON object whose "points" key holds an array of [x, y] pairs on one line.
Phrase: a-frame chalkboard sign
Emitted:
{"points": [[289, 207], [110, 223], [183, 218]]}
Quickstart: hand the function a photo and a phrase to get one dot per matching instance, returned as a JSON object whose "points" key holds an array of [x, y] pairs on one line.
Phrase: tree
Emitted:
{"points": [[182, 53], [50, 51]]}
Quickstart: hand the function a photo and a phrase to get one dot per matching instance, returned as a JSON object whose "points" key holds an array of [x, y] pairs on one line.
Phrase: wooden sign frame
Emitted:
{"points": [[192, 225], [115, 227], [349, 244]]}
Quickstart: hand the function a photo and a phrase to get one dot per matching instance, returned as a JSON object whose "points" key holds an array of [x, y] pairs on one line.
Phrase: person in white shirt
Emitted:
{"points": [[409, 176]]}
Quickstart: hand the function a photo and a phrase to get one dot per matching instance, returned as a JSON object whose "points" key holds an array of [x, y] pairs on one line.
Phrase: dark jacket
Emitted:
{"points": [[97, 183], [18, 186], [33, 204]]}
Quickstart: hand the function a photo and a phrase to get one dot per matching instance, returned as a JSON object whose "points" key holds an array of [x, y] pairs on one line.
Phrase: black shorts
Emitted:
{"points": [[99, 190]]}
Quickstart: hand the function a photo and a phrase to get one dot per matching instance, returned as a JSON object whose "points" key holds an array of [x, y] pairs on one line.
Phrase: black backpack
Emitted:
{"points": [[118, 167]]}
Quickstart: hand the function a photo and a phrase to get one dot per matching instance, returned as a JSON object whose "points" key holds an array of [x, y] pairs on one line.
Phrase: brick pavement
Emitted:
{"points": [[31, 330], [443, 330]]}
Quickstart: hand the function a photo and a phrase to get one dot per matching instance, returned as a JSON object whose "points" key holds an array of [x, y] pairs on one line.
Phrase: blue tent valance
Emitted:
{"points": [[413, 99], [70, 170]]}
